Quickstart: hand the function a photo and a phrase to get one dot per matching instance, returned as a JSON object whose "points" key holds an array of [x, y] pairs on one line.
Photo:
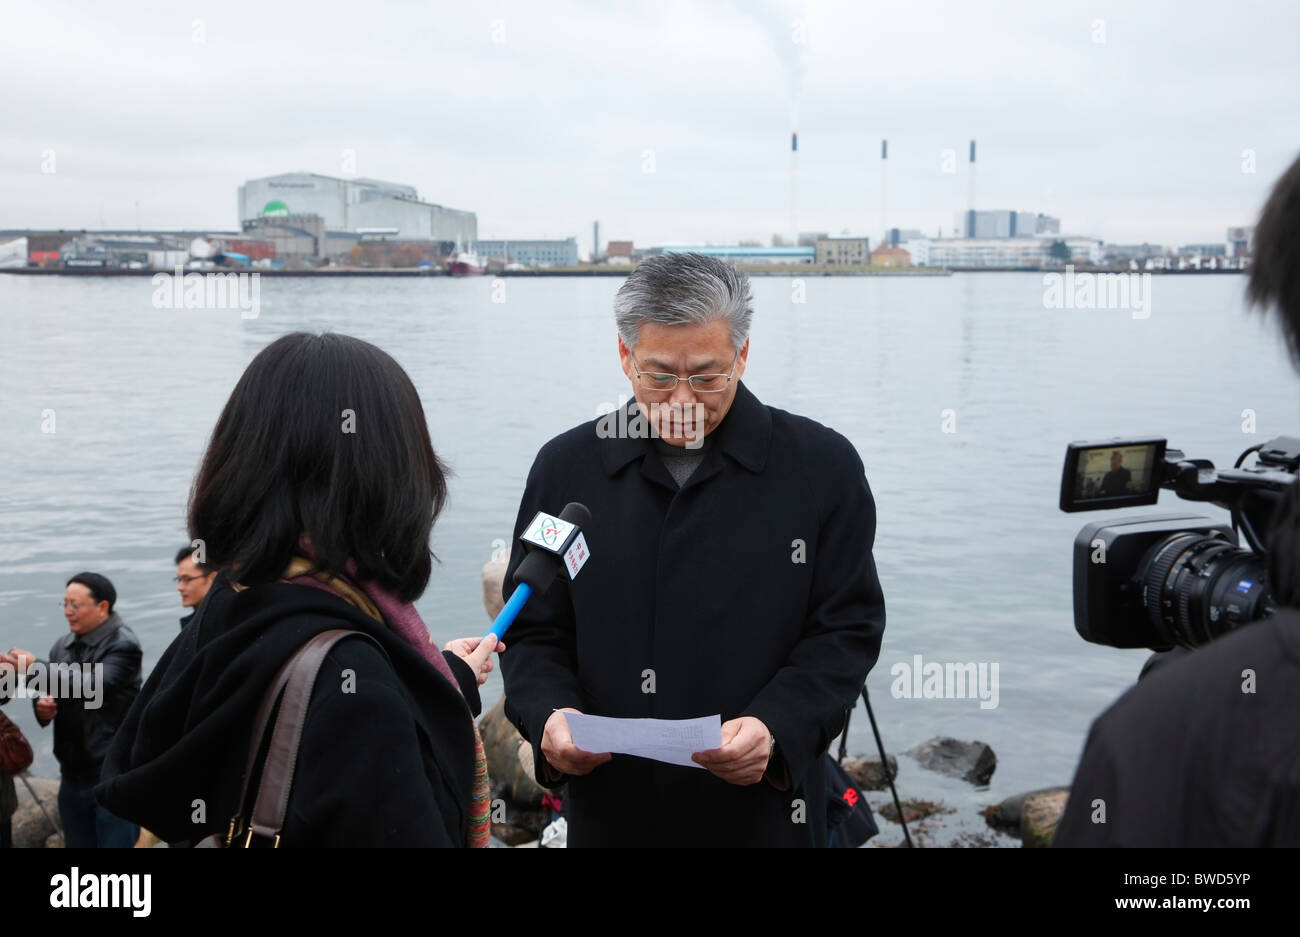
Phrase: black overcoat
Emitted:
{"points": [[386, 755], [751, 590]]}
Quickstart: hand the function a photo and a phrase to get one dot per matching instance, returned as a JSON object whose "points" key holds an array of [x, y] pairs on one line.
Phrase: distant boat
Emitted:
{"points": [[466, 264]]}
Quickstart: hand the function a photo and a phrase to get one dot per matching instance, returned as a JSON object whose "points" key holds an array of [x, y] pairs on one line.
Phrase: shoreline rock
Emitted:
{"points": [[970, 761], [869, 774], [31, 828]]}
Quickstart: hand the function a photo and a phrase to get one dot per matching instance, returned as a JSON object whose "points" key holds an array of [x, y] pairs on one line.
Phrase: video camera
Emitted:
{"points": [[1157, 581]]}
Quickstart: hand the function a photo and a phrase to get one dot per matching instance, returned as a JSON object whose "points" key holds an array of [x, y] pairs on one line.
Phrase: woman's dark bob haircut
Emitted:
{"points": [[324, 435]]}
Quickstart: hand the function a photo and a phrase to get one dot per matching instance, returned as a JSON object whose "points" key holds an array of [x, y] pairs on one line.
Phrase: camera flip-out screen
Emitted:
{"points": [[1118, 473]]}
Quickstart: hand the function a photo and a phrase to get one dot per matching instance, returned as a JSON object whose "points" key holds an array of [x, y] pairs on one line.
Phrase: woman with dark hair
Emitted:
{"points": [[315, 500]]}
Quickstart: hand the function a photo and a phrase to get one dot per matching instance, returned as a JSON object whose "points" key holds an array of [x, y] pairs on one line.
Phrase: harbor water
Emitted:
{"points": [[960, 393]]}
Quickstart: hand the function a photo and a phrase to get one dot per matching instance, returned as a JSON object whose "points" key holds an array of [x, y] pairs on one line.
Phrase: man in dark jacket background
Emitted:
{"points": [[95, 671], [731, 573], [193, 580]]}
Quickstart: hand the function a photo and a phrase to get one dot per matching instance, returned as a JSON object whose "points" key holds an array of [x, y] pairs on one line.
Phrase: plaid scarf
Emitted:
{"points": [[383, 606]]}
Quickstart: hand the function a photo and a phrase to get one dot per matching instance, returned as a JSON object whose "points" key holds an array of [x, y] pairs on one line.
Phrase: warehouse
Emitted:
{"points": [[350, 204]]}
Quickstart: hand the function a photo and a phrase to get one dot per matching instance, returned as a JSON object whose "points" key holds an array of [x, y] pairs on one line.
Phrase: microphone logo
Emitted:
{"points": [[550, 532]]}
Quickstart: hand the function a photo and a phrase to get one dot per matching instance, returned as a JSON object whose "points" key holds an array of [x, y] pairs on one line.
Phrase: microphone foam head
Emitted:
{"points": [[575, 512]]}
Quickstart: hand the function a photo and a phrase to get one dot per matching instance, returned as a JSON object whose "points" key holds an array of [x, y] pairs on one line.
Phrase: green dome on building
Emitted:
{"points": [[275, 209]]}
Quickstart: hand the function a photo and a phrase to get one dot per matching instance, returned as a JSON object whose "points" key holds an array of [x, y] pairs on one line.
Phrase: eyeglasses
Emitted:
{"points": [[186, 580], [700, 383], [74, 607]]}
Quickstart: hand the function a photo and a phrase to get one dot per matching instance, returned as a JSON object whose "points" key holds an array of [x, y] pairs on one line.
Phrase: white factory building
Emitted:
{"points": [[355, 205], [955, 253]]}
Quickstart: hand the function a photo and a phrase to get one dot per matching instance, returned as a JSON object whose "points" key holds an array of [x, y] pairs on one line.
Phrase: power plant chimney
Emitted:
{"points": [[794, 187], [970, 211], [884, 165]]}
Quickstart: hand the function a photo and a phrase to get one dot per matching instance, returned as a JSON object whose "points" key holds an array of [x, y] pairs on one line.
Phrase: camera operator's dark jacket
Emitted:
{"points": [[751, 590], [82, 734], [389, 762], [1203, 751]]}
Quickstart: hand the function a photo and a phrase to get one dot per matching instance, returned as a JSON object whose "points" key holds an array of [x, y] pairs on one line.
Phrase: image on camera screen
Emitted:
{"points": [[1114, 471]]}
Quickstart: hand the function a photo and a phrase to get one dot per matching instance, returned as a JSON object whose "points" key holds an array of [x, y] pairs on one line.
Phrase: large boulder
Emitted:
{"points": [[31, 828], [1039, 816], [970, 761], [1006, 815], [501, 745]]}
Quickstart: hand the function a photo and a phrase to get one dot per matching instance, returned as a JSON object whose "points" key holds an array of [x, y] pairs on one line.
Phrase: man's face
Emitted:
{"points": [[1115, 461], [683, 415], [191, 582], [81, 610]]}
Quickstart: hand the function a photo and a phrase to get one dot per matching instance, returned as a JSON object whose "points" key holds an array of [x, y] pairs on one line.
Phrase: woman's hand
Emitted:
{"points": [[477, 652]]}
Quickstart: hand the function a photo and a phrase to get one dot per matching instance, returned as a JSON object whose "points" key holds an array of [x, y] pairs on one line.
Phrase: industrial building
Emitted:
{"points": [[122, 251], [1241, 241], [354, 205], [1123, 254], [1004, 224], [530, 253], [1203, 250], [292, 236], [891, 257], [956, 253], [746, 255], [842, 250], [899, 236], [620, 252], [13, 251]]}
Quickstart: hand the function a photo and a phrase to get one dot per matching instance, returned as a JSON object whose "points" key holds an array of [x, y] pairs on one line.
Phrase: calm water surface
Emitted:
{"points": [[973, 554]]}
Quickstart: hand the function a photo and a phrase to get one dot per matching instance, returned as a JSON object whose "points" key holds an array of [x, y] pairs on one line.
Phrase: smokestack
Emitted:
{"points": [[794, 187], [884, 165], [595, 242], [970, 211]]}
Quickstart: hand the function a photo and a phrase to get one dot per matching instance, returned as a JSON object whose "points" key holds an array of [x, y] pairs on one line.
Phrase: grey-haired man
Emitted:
{"points": [[731, 572]]}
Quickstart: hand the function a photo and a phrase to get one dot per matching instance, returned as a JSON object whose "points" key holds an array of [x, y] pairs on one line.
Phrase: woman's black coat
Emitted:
{"points": [[389, 764]]}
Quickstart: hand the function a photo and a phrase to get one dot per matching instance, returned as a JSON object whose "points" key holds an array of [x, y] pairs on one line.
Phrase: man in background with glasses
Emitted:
{"points": [[730, 573], [95, 670], [193, 579]]}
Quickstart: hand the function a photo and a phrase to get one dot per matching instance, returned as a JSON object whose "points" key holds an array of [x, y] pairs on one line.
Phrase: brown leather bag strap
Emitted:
{"points": [[264, 708], [263, 717], [272, 802]]}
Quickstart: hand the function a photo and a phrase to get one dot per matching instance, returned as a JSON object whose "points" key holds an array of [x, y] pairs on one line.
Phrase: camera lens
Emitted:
{"points": [[1196, 587]]}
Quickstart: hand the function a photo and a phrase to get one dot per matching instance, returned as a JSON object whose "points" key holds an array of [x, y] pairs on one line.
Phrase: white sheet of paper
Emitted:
{"points": [[672, 741]]}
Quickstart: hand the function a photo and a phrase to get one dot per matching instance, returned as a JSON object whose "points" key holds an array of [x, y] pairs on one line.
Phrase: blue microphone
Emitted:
{"points": [[552, 542]]}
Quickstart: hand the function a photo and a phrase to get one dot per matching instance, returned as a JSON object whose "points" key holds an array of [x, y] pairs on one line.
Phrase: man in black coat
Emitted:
{"points": [[731, 573], [1116, 481]]}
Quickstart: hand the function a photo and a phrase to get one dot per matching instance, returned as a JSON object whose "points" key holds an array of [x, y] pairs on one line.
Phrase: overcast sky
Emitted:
{"points": [[669, 122]]}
